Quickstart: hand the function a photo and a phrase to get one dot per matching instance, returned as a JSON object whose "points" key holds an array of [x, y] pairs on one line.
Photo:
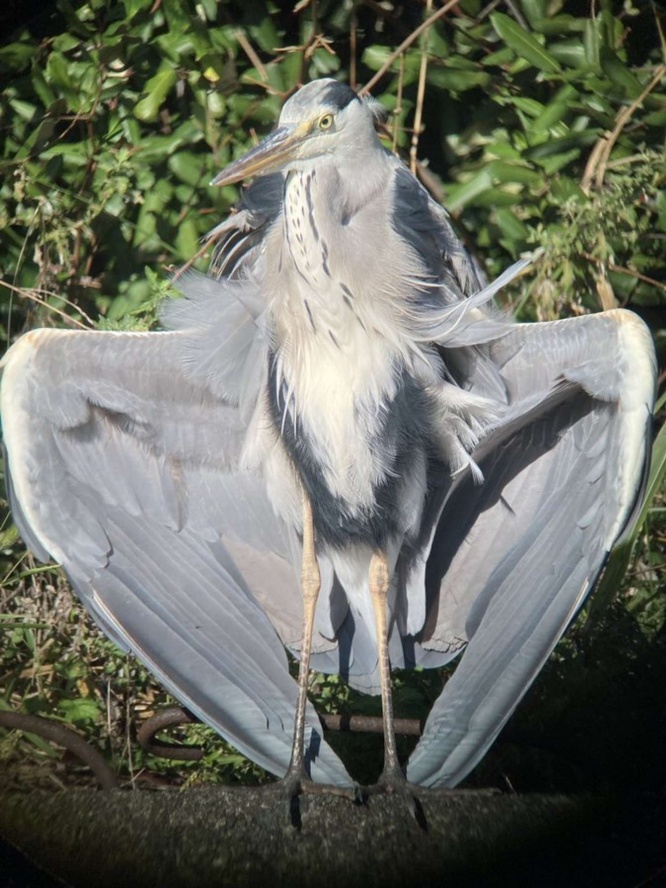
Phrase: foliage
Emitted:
{"points": [[542, 124]]}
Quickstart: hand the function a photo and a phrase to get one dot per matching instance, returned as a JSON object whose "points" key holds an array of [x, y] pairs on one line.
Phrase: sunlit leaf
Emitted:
{"points": [[460, 195], [79, 710], [157, 89], [569, 52], [187, 167]]}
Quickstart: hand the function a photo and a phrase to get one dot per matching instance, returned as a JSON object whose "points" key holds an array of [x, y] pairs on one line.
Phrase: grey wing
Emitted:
{"points": [[426, 226], [238, 240], [124, 468], [513, 559], [453, 301]]}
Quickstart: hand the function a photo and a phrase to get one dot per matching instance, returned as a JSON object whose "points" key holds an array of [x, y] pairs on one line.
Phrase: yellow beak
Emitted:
{"points": [[267, 157]]}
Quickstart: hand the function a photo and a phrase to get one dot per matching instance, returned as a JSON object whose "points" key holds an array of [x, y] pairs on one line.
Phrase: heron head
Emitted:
{"points": [[323, 118]]}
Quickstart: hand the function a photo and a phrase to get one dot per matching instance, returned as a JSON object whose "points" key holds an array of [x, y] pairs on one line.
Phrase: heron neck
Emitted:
{"points": [[334, 190]]}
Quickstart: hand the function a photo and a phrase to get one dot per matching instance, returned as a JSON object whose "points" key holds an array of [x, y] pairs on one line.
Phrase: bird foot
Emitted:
{"points": [[393, 782], [296, 783]]}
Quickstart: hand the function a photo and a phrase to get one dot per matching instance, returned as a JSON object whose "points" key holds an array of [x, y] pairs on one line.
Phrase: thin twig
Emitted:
{"points": [[420, 97], [513, 9], [598, 160], [190, 262], [620, 269], [352, 49], [407, 42], [14, 568], [398, 105], [32, 294], [251, 54], [430, 182]]}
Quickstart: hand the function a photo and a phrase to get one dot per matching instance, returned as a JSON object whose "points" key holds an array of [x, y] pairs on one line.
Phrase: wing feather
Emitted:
{"points": [[512, 561], [125, 467]]}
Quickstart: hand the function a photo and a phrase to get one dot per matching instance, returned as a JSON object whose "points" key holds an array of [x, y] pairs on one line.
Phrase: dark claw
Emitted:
{"points": [[393, 782], [296, 783]]}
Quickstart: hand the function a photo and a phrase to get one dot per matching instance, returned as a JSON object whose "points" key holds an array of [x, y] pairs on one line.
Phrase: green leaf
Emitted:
{"points": [[376, 56], [556, 110], [74, 155], [493, 198], [187, 238], [591, 43], [46, 94], [619, 74], [528, 106], [535, 11], [26, 110], [82, 709], [187, 166], [8, 537], [265, 34], [17, 56], [569, 52], [157, 89], [553, 163], [559, 146], [66, 42], [456, 80], [502, 57], [511, 226], [58, 72], [559, 24], [132, 7], [504, 151], [210, 8], [563, 188], [512, 172], [461, 194], [524, 44], [656, 118]]}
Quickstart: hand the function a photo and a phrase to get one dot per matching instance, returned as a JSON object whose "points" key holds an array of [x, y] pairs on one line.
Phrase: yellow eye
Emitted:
{"points": [[325, 122]]}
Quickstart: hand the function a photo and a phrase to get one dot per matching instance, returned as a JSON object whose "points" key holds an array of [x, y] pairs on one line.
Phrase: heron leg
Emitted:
{"points": [[310, 586], [297, 780], [379, 582]]}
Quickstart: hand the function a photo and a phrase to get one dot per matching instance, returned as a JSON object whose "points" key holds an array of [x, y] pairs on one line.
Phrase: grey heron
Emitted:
{"points": [[337, 399]]}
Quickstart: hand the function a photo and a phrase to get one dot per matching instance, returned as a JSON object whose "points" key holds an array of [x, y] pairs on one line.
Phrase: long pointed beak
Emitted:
{"points": [[267, 157]]}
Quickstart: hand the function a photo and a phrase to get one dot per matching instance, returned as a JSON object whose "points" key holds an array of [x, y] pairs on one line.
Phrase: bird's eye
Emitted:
{"points": [[325, 122]]}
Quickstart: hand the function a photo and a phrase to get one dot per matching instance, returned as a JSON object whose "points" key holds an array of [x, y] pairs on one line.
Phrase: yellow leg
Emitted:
{"points": [[310, 586], [379, 581]]}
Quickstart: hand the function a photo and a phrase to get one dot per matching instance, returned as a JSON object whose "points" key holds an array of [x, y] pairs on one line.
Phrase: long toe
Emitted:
{"points": [[393, 782], [297, 783]]}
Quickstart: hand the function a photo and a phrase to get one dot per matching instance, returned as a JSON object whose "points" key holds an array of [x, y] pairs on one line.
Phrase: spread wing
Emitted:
{"points": [[123, 457], [512, 559], [124, 463]]}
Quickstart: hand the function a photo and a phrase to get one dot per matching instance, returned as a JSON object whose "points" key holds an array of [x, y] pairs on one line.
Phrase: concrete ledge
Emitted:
{"points": [[245, 837]]}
